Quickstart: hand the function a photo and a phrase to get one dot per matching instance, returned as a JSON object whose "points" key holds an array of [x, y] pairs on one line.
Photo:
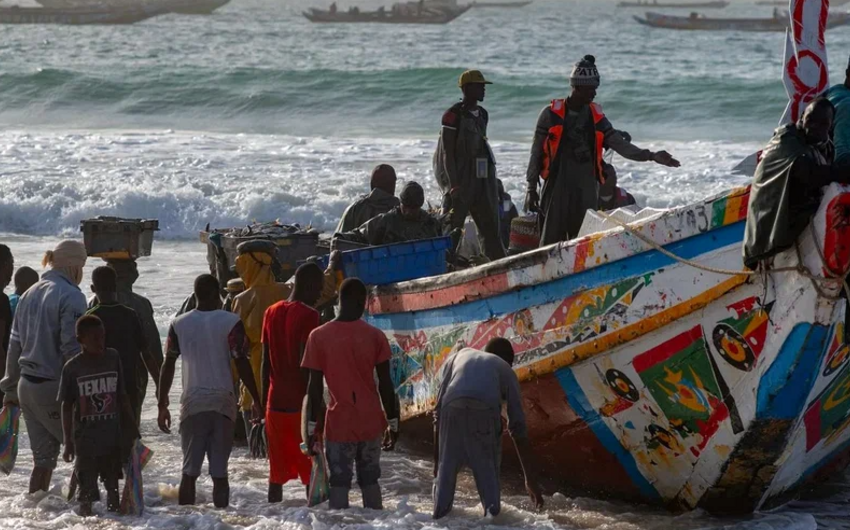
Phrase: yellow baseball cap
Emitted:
{"points": [[472, 76]]}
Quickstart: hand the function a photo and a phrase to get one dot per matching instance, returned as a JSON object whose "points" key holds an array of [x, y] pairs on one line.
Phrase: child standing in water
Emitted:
{"points": [[94, 402]]}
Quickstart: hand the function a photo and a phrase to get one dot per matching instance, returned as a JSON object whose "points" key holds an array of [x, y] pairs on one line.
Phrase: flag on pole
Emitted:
{"points": [[805, 73]]}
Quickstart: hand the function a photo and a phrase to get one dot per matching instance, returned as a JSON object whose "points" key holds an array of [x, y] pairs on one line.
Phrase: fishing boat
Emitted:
{"points": [[183, 7], [651, 368], [76, 16], [720, 4], [514, 5], [411, 16], [701, 22]]}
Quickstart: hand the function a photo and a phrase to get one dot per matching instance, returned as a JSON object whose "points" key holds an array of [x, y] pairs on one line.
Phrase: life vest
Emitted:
{"points": [[553, 141]]}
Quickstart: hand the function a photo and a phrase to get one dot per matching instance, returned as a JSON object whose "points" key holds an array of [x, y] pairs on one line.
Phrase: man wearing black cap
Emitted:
{"points": [[567, 154], [465, 166], [381, 200], [407, 222]]}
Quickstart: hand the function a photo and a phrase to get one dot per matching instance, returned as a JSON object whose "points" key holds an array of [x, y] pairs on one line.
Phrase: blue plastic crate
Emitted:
{"points": [[398, 262]]}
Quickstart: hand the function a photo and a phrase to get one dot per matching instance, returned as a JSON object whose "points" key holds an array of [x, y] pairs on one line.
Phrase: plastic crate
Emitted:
{"points": [[292, 249], [117, 238], [398, 262]]}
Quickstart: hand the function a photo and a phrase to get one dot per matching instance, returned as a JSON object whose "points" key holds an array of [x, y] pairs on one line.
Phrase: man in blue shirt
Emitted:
{"points": [[839, 95]]}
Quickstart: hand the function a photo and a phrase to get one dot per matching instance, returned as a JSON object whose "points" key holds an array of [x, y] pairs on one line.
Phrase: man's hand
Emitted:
{"points": [[532, 200], [7, 401], [70, 451], [164, 419], [665, 159], [534, 494], [257, 412], [335, 261], [456, 195], [390, 439]]}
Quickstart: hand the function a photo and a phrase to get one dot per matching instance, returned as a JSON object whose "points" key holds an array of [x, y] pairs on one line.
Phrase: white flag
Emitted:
{"points": [[805, 73]]}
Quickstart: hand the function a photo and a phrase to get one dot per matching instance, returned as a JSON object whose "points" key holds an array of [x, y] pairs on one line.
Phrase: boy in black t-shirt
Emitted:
{"points": [[124, 333], [94, 403]]}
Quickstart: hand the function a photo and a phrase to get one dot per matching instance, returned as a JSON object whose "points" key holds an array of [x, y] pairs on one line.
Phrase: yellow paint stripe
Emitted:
{"points": [[733, 210], [628, 333]]}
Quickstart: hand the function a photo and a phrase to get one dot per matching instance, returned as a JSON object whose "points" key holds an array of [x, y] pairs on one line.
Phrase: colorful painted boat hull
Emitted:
{"points": [[644, 377]]}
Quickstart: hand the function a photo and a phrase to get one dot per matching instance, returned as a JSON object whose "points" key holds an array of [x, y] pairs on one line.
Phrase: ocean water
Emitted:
{"points": [[256, 114]]}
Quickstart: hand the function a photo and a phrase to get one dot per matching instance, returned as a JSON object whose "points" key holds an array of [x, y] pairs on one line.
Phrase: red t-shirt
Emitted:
{"points": [[347, 353], [286, 327]]}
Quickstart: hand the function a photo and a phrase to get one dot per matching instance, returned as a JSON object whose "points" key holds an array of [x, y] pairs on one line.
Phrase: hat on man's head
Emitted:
{"points": [[472, 76], [412, 195], [585, 73]]}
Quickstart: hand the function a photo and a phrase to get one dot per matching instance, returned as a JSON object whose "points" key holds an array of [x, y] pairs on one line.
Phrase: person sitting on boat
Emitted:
{"points": [[839, 95], [333, 9], [468, 426], [407, 222], [611, 196], [567, 154], [380, 200], [786, 189]]}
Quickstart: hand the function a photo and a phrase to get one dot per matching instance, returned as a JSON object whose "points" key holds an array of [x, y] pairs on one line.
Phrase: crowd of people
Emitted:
{"points": [[259, 353]]}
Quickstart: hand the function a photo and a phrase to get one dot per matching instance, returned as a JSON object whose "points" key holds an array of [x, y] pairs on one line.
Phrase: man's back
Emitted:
{"points": [[347, 353], [44, 325], [205, 340], [123, 334], [367, 207], [286, 328], [484, 377]]}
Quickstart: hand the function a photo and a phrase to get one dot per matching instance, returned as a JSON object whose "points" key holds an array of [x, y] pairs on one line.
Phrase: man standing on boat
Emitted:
{"points": [[566, 153], [465, 166], [839, 95]]}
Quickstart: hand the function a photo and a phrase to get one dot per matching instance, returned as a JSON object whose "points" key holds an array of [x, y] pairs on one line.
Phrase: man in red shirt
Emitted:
{"points": [[346, 353], [286, 327]]}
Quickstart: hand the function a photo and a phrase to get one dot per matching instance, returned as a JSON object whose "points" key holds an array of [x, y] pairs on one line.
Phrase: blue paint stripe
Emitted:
{"points": [[783, 389], [561, 288], [578, 401]]}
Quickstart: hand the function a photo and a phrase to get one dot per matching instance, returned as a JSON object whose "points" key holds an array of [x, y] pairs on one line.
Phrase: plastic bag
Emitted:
{"points": [[257, 440], [320, 488], [133, 498], [10, 417]]}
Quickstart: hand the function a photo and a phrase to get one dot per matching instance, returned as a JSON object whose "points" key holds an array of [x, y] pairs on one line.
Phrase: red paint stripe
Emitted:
{"points": [[581, 256], [662, 352], [812, 421], [474, 290]]}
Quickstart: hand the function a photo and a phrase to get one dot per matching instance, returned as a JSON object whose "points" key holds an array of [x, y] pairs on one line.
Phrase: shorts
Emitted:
{"points": [[343, 456], [206, 434], [286, 461], [43, 418], [89, 469]]}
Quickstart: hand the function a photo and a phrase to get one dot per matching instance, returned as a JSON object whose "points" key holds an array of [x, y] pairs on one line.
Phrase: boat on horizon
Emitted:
{"points": [[714, 4], [676, 382], [77, 16], [425, 16], [697, 22], [513, 5], [183, 7]]}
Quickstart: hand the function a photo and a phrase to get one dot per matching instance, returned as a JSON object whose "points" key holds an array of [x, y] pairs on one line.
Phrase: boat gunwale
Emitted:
{"points": [[485, 281]]}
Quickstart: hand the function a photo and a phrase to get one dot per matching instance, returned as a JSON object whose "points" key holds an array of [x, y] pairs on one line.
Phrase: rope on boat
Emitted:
{"points": [[800, 269]]}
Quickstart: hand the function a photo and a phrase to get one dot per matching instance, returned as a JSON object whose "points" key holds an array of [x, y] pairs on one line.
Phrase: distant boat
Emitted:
{"points": [[427, 16], [183, 7], [700, 22], [502, 4], [76, 16], [715, 4]]}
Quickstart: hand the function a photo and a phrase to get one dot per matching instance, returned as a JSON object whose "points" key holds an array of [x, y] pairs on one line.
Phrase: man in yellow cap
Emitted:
{"points": [[465, 167]]}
